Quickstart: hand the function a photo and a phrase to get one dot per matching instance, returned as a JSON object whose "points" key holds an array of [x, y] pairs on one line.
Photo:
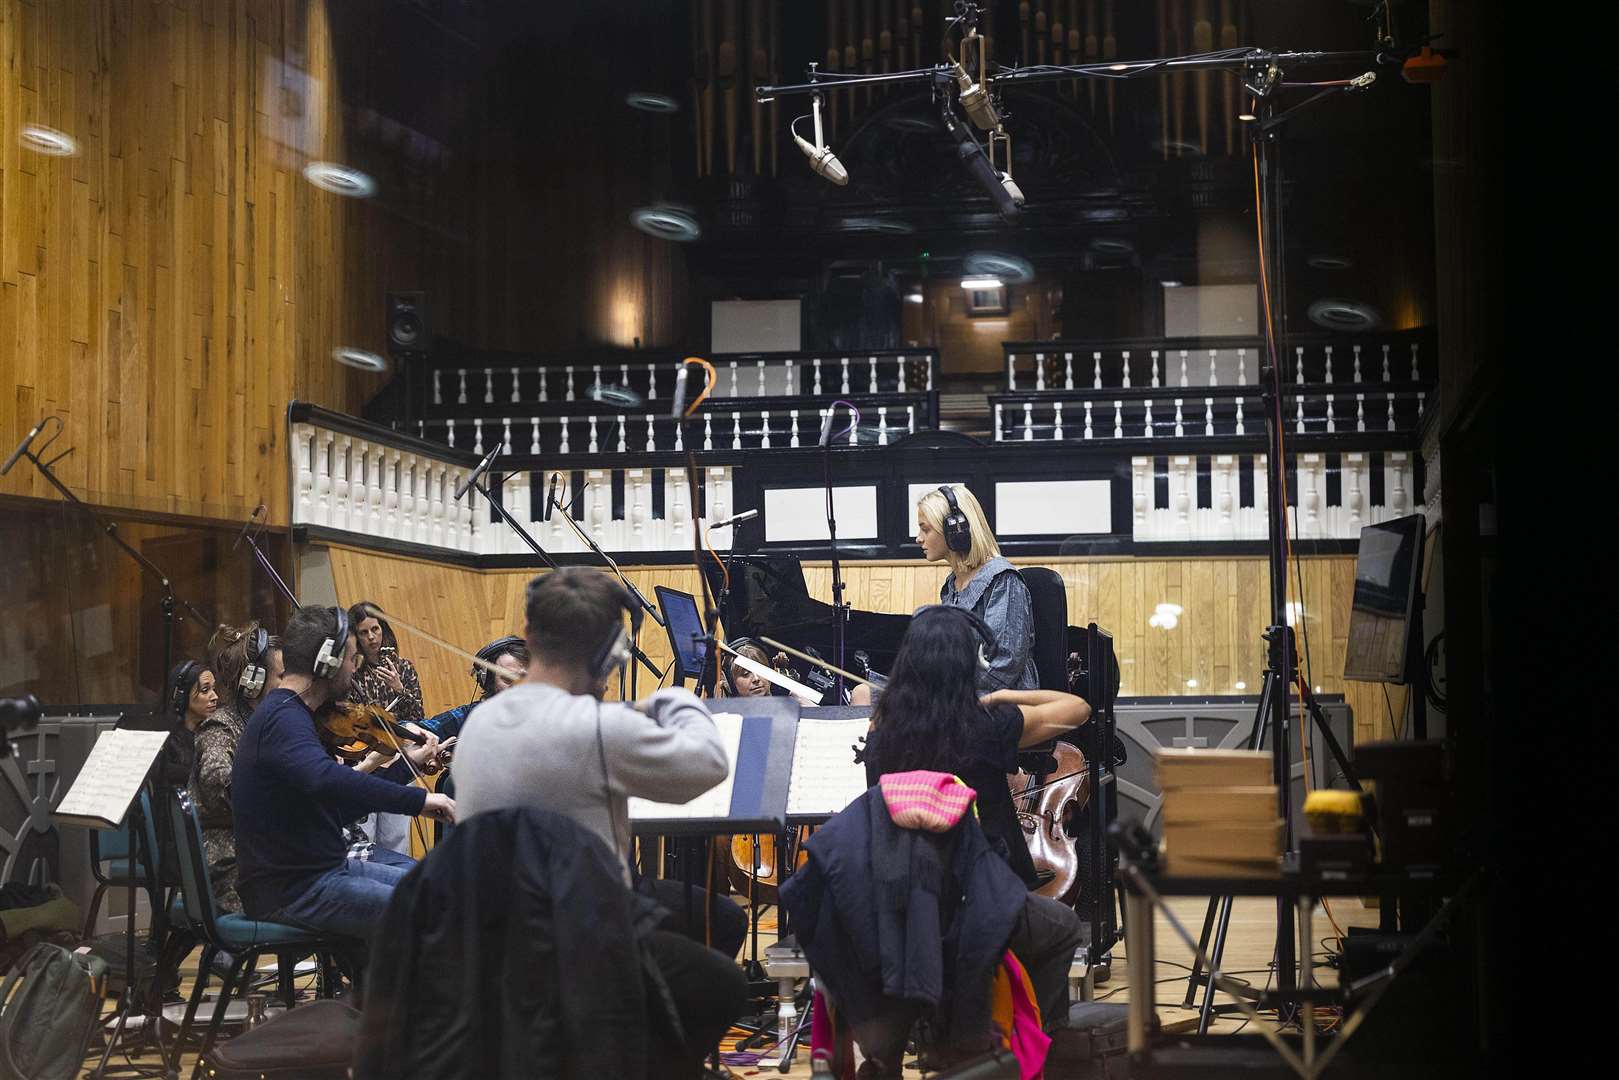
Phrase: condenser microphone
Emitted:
{"points": [[679, 409], [735, 519], [477, 473], [551, 498], [826, 428], [821, 159], [247, 526], [22, 447]]}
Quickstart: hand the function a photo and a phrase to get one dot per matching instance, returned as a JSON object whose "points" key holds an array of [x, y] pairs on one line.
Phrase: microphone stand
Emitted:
{"points": [[629, 587], [840, 610], [252, 540]]}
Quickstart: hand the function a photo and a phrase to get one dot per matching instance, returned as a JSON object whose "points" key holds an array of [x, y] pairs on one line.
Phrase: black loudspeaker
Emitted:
{"points": [[407, 323]]}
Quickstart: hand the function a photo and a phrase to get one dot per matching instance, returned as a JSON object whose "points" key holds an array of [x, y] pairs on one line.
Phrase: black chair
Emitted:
{"points": [[244, 939], [1049, 598]]}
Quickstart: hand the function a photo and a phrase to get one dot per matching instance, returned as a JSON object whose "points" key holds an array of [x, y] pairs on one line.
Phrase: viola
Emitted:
{"points": [[757, 870], [1048, 812], [351, 730]]}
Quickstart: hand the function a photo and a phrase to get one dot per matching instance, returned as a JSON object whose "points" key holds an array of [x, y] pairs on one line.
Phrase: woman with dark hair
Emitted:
{"points": [[387, 679], [192, 698], [931, 716]]}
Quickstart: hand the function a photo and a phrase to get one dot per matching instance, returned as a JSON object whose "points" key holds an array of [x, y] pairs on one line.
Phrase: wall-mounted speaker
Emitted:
{"points": [[407, 323]]}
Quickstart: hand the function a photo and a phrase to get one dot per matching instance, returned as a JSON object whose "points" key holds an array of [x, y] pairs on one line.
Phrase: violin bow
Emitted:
{"points": [[441, 643], [790, 651]]}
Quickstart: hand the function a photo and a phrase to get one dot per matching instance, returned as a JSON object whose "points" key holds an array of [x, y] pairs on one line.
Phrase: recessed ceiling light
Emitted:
{"points": [[1339, 314], [981, 283], [651, 101], [1011, 269], [1247, 117], [1331, 262], [666, 223], [340, 179], [1170, 284], [359, 358], [43, 140]]}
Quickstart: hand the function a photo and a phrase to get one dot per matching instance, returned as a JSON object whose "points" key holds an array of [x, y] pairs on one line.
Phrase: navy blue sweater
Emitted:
{"points": [[290, 800]]}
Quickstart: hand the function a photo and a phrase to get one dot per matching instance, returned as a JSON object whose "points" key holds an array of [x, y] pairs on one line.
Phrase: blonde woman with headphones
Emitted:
{"points": [[951, 528]]}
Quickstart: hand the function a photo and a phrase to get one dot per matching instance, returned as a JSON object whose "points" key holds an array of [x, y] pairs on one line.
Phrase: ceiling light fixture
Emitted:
{"points": [[43, 140], [651, 101], [359, 358], [978, 283], [340, 179], [666, 223]]}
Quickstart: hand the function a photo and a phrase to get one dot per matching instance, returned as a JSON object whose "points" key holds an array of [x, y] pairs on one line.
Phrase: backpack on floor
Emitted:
{"points": [[49, 1005], [312, 1042]]}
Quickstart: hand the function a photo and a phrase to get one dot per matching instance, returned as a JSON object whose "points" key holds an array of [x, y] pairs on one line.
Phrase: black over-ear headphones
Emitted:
{"points": [[489, 654], [185, 677], [958, 532], [728, 669], [986, 636], [330, 658], [257, 668], [615, 651]]}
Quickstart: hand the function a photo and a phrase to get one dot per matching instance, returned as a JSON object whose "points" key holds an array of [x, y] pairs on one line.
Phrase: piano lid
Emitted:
{"points": [[768, 598]]}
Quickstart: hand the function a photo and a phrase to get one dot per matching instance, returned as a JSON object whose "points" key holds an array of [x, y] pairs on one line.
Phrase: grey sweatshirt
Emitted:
{"points": [[536, 745]]}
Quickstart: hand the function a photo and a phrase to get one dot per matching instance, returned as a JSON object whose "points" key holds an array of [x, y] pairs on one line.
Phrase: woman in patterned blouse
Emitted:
{"points": [[387, 679]]}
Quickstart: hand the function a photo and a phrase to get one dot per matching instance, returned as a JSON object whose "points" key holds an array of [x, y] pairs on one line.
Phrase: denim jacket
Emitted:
{"points": [[997, 595]]}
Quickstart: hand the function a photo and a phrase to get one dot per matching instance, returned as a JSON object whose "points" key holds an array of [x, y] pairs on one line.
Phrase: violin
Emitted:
{"points": [[1048, 811], [351, 730]]}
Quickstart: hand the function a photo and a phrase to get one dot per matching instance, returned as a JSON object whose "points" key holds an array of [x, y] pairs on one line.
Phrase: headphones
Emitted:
{"points": [[330, 658], [257, 668], [185, 677], [488, 654], [728, 669], [958, 533], [615, 651], [986, 636]]}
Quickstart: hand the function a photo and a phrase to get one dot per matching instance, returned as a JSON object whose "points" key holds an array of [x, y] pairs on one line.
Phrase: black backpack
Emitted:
{"points": [[49, 1006]]}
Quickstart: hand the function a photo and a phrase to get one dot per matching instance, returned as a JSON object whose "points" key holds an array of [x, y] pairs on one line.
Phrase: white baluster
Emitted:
{"points": [[595, 378], [438, 394], [1118, 419], [599, 488], [1422, 402], [1391, 413], [1357, 363], [623, 434], [1183, 369], [1140, 497], [635, 481], [652, 382], [1224, 502], [1299, 371], [440, 480], [449, 432], [426, 473], [1309, 468], [1240, 429], [563, 447], [708, 431], [1332, 421], [651, 434], [1039, 371], [593, 447], [845, 367], [679, 438], [405, 524], [1298, 422], [761, 390], [792, 378], [1180, 428], [1067, 371], [1354, 465], [461, 395], [900, 372], [304, 441], [719, 493], [1096, 371], [488, 386], [534, 434], [1056, 429], [676, 479], [1155, 382], [517, 387], [872, 380], [930, 371], [1088, 431], [340, 482], [736, 431], [1011, 372], [1208, 416], [1147, 428], [1242, 367], [910, 419], [817, 363], [764, 427], [1126, 369], [1386, 376], [882, 426], [376, 492], [1328, 363], [1028, 422], [506, 435], [1182, 487], [624, 376], [1214, 372], [1360, 412], [477, 436], [734, 391], [998, 422], [568, 371], [1416, 371], [544, 385], [792, 415], [421, 429]]}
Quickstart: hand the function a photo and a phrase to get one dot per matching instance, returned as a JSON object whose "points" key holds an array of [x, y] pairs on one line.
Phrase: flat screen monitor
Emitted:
{"points": [[1387, 571], [685, 628]]}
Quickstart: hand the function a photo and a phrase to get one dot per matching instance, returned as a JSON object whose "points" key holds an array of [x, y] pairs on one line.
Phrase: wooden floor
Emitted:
{"points": [[1248, 955]]}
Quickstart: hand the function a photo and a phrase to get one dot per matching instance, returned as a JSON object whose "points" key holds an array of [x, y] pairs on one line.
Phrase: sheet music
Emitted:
{"points": [[112, 774], [825, 776], [713, 803]]}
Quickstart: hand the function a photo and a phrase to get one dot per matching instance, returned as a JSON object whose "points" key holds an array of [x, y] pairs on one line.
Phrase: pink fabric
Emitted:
{"points": [[932, 801], [1030, 1043], [825, 1036]]}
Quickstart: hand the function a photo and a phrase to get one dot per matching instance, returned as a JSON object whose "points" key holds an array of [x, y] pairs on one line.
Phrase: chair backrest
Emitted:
{"points": [[108, 844], [1049, 598], [196, 890]]}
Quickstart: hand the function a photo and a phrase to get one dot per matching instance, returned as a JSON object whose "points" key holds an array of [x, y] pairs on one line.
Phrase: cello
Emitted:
{"points": [[1048, 812]]}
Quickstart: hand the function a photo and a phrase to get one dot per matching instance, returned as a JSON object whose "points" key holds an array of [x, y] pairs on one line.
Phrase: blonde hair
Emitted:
{"points": [[934, 506]]}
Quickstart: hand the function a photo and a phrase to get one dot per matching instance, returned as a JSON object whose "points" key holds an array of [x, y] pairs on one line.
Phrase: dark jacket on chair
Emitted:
{"points": [[889, 915], [513, 950]]}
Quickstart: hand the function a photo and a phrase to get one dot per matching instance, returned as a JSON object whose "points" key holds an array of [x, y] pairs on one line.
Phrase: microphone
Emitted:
{"points": [[21, 448], [251, 518], [477, 472], [1005, 194], [19, 711], [975, 99], [551, 498], [735, 519], [1362, 81], [821, 158], [679, 409], [826, 427]]}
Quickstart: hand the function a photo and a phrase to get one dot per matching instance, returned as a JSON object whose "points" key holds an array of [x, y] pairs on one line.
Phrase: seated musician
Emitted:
{"points": [[552, 742], [247, 661], [384, 678], [932, 715], [193, 698], [739, 681], [290, 797], [508, 653]]}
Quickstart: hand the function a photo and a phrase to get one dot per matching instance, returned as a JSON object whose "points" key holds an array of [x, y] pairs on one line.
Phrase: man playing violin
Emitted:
{"points": [[290, 798]]}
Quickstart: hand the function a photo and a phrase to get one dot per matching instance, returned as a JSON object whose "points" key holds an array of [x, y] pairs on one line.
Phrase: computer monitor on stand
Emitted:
{"points": [[686, 636]]}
